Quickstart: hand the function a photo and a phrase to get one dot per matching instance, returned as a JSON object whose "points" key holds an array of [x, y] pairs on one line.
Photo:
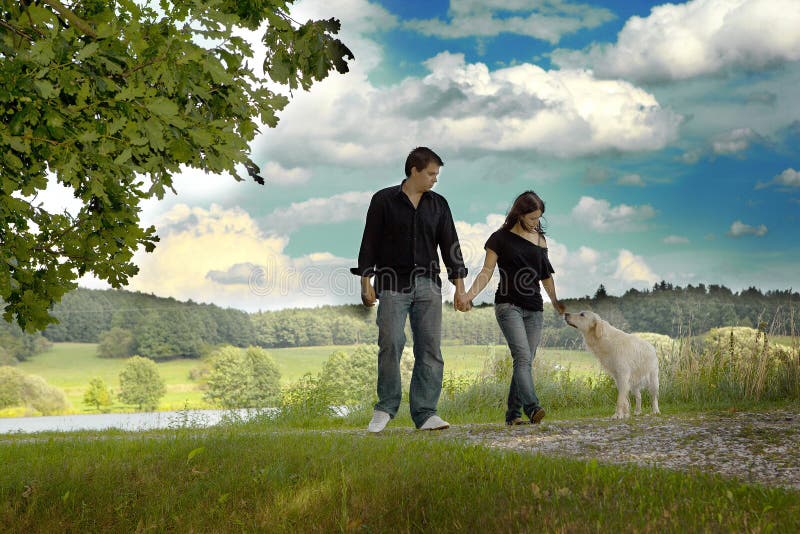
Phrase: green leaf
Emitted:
{"points": [[122, 158], [105, 30], [17, 144], [162, 107], [39, 14], [202, 138], [44, 88], [87, 51]]}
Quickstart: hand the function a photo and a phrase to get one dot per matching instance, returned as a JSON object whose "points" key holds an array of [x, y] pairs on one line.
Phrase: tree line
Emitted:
{"points": [[125, 323]]}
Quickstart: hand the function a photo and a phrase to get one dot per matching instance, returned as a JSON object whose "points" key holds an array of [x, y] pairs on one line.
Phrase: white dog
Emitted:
{"points": [[630, 360]]}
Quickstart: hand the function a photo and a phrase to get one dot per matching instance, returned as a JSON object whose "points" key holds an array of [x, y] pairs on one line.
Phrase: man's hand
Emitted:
{"points": [[368, 297], [560, 308]]}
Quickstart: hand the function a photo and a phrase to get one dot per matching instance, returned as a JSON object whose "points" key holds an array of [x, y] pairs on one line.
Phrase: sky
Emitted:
{"points": [[663, 138]]}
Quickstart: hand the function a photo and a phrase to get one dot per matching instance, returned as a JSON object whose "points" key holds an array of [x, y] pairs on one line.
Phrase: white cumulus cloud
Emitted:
{"points": [[633, 269], [787, 178], [467, 108], [222, 256], [740, 229], [700, 37], [338, 208], [277, 174], [545, 20], [599, 215], [734, 141]]}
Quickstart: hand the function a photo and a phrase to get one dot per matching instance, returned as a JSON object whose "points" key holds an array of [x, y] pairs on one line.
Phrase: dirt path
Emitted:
{"points": [[754, 447]]}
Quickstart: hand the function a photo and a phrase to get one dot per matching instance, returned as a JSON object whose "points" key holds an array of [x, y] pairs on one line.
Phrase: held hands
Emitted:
{"points": [[462, 302]]}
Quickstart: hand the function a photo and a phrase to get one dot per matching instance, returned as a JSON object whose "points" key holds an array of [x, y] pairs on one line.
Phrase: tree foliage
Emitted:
{"points": [[17, 345], [116, 343], [243, 378], [111, 98], [161, 328], [97, 395], [140, 384]]}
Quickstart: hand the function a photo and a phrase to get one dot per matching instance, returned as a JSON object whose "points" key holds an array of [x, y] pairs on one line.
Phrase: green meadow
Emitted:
{"points": [[70, 366]]}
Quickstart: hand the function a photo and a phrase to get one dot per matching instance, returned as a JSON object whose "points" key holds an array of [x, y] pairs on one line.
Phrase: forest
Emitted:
{"points": [[126, 323]]}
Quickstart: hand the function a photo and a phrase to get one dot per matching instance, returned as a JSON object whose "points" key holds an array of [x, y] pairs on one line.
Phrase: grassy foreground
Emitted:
{"points": [[256, 478]]}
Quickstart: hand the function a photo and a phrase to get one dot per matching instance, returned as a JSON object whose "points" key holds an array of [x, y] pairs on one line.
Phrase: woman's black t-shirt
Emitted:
{"points": [[522, 264]]}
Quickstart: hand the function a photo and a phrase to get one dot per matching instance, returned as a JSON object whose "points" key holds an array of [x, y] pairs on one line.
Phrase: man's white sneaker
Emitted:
{"points": [[435, 422], [379, 420]]}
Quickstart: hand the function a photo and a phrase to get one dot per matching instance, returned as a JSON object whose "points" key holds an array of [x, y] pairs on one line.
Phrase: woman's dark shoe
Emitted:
{"points": [[517, 421], [537, 415]]}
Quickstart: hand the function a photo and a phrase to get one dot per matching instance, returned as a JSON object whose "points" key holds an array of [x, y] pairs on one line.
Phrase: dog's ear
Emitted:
{"points": [[599, 327]]}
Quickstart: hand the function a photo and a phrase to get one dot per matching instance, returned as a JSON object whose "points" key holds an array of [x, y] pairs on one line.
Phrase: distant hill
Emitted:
{"points": [[166, 328], [162, 327]]}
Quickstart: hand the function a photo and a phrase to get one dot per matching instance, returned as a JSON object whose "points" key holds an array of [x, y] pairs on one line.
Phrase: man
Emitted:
{"points": [[405, 225]]}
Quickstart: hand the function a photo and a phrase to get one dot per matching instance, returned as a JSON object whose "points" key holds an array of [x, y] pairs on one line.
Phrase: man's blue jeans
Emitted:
{"points": [[523, 331], [423, 306]]}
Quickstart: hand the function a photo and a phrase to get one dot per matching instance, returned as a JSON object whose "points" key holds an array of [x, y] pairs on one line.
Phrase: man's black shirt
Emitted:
{"points": [[400, 242]]}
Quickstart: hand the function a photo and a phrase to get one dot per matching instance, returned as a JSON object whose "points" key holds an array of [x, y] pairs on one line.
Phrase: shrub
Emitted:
{"points": [[308, 398], [665, 346], [42, 397], [31, 391], [10, 387], [242, 378]]}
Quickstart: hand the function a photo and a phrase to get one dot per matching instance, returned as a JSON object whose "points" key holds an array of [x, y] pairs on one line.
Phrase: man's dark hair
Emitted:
{"points": [[421, 157]]}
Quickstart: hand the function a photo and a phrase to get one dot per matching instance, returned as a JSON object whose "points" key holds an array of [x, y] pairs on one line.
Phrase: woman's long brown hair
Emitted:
{"points": [[525, 203]]}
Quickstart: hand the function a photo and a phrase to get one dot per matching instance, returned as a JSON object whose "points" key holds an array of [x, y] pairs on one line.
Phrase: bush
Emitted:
{"points": [[242, 378], [31, 391], [308, 398], [666, 347], [42, 397], [140, 383], [10, 387]]}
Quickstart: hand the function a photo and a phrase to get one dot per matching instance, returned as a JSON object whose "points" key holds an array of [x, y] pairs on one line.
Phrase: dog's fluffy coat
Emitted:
{"points": [[630, 360]]}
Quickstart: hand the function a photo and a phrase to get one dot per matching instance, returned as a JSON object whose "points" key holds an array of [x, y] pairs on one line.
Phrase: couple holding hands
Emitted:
{"points": [[398, 264]]}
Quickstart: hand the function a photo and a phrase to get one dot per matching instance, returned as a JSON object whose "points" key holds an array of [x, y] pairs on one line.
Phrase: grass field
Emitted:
{"points": [[70, 366]]}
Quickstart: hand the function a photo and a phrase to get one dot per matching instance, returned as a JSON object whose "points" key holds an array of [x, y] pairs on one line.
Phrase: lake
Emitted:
{"points": [[122, 421]]}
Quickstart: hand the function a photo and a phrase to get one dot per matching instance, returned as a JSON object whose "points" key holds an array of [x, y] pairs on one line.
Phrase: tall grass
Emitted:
{"points": [[737, 365], [728, 366]]}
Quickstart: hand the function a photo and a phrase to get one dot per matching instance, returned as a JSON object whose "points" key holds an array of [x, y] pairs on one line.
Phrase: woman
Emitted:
{"points": [[519, 248]]}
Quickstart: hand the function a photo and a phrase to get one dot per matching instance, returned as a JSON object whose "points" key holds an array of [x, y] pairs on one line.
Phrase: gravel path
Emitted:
{"points": [[762, 448]]}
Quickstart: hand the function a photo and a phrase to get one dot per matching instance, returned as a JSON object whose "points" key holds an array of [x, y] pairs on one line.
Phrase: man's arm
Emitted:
{"points": [[368, 252], [451, 250]]}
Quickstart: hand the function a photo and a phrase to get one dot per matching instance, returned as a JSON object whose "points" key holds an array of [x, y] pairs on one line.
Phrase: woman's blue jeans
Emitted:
{"points": [[423, 306], [523, 331]]}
